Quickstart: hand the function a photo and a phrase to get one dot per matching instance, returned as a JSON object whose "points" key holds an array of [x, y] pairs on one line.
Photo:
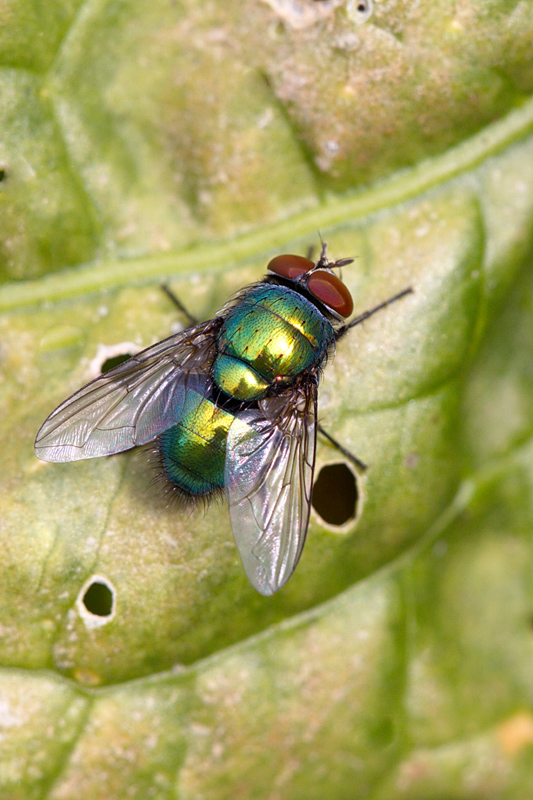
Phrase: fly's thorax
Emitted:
{"points": [[193, 453], [272, 334]]}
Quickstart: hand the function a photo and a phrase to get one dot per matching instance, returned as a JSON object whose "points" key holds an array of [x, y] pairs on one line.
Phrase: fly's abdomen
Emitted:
{"points": [[193, 452], [238, 379], [272, 334]]}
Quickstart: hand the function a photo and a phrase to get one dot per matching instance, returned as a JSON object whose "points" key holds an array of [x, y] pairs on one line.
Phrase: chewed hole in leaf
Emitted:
{"points": [[109, 363], [109, 356], [335, 494], [3, 174], [359, 11], [96, 601]]}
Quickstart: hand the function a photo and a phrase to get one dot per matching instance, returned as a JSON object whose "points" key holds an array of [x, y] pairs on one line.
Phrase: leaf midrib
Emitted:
{"points": [[401, 187]]}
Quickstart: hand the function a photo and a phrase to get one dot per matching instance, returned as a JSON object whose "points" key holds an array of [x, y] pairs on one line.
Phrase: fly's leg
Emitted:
{"points": [[346, 453], [168, 291], [361, 318], [339, 334]]}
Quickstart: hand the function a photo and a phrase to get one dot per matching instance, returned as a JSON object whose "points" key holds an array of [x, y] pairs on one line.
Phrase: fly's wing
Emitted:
{"points": [[133, 402], [269, 469]]}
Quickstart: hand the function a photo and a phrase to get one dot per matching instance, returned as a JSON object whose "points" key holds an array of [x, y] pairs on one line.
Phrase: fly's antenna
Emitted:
{"points": [[342, 262], [323, 250], [325, 263]]}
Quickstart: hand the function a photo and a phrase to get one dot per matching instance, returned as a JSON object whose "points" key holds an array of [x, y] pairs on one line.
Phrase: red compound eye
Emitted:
{"points": [[290, 267], [331, 291]]}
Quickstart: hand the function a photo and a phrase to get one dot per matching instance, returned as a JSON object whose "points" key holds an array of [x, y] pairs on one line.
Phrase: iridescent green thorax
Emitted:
{"points": [[272, 334]]}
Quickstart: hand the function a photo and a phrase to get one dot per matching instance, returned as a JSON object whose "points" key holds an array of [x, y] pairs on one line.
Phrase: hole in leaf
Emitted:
{"points": [[335, 494], [96, 602], [3, 174], [114, 361], [98, 599], [109, 356], [359, 11]]}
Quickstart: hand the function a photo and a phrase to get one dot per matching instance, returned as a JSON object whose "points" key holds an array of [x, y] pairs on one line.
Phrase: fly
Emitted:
{"points": [[231, 406]]}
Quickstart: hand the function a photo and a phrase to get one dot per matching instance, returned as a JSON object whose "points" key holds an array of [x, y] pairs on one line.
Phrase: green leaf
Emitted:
{"points": [[188, 143]]}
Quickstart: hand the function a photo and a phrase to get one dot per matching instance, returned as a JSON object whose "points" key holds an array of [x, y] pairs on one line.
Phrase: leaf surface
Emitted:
{"points": [[149, 142]]}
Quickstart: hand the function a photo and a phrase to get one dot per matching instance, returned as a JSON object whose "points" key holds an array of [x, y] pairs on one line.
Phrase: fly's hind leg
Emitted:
{"points": [[346, 453], [177, 302], [336, 490]]}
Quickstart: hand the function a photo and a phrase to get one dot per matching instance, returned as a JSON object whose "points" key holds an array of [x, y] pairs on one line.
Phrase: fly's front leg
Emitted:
{"points": [[168, 291], [362, 317], [338, 335]]}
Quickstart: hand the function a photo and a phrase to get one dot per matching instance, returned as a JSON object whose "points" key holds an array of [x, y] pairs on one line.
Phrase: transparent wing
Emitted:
{"points": [[270, 462], [133, 402]]}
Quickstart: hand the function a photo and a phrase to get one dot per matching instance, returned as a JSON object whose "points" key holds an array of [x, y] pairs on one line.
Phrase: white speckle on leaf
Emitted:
{"points": [[303, 13], [348, 41], [10, 717], [90, 544], [198, 729], [265, 119]]}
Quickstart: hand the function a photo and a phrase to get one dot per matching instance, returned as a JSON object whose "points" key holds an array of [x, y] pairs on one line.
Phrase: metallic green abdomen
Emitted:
{"points": [[273, 334], [194, 451], [238, 379]]}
